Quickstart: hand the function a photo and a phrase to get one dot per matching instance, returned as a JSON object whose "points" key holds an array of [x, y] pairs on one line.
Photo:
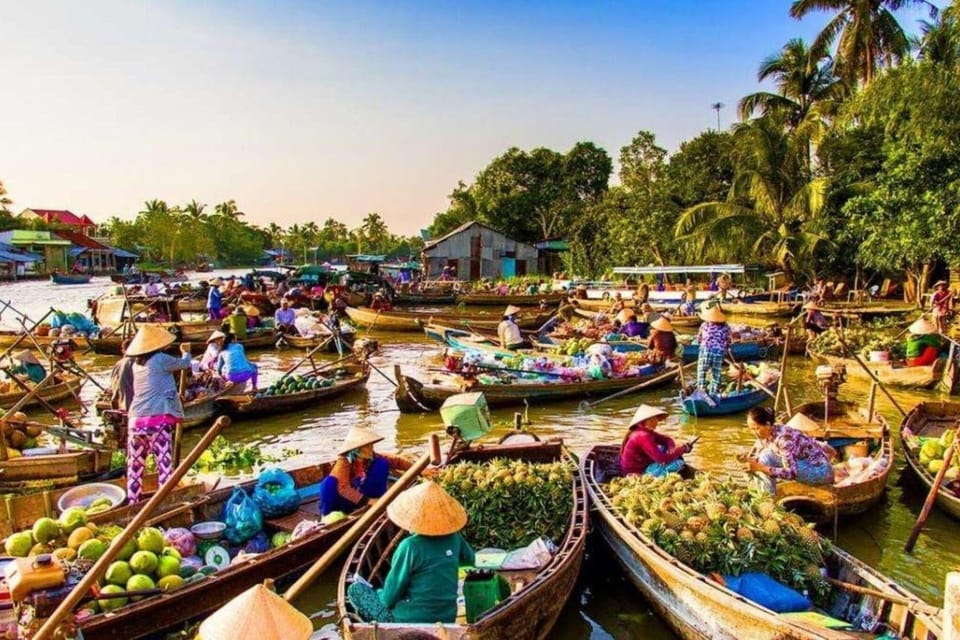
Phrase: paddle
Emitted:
{"points": [[870, 373], [753, 383], [932, 496], [889, 597], [584, 405], [79, 592], [372, 512], [781, 389]]}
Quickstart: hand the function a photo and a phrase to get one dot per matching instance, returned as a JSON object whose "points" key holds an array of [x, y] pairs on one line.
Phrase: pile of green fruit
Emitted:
{"points": [[511, 503], [294, 384], [716, 525], [860, 340], [575, 346], [930, 452], [68, 538], [145, 562]]}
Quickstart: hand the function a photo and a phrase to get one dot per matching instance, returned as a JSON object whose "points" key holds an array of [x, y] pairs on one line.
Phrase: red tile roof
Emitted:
{"points": [[81, 240], [63, 216]]}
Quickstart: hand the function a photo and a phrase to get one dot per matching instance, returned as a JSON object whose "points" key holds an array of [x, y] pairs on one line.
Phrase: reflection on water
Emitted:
{"points": [[605, 605]]}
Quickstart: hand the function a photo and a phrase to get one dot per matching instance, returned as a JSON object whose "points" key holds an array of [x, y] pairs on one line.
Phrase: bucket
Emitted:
{"points": [[879, 356], [860, 449], [483, 590], [43, 330]]}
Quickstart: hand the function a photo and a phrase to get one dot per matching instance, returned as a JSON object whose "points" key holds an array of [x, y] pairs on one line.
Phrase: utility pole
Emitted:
{"points": [[716, 106]]}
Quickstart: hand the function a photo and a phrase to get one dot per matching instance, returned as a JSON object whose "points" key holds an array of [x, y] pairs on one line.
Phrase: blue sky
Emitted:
{"points": [[304, 110]]}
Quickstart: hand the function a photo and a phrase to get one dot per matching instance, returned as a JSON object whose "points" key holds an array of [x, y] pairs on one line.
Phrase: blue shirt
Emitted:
{"points": [[214, 299], [284, 316], [233, 359]]}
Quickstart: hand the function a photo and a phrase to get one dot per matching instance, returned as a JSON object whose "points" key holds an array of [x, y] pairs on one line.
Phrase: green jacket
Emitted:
{"points": [[917, 344], [236, 324], [422, 583]]}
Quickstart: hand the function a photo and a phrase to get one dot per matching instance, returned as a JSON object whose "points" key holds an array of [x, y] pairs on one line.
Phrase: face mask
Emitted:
{"points": [[353, 455]]}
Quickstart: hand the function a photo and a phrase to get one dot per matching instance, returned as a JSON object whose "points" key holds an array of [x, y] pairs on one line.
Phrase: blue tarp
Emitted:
{"points": [[120, 253], [9, 253]]}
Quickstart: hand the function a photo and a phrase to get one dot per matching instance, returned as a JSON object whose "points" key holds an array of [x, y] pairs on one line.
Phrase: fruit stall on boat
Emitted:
{"points": [[395, 320], [926, 433]]}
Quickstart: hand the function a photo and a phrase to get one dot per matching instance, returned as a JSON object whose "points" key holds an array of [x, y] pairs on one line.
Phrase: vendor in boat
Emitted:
{"points": [[156, 408], [647, 313], [714, 342], [663, 341], [630, 326], [687, 306], [642, 294], [508, 331], [568, 309], [236, 323], [618, 304], [285, 318], [814, 322], [121, 380], [941, 305], [644, 451], [215, 299], [787, 452], [380, 301], [923, 343], [254, 321], [233, 366], [29, 366], [360, 474], [821, 292], [208, 361], [581, 292], [421, 586]]}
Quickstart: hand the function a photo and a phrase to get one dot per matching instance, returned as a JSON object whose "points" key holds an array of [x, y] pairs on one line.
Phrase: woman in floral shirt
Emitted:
{"points": [[786, 452]]}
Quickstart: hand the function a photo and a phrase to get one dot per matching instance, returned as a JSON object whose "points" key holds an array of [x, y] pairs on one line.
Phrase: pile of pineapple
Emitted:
{"points": [[716, 525]]}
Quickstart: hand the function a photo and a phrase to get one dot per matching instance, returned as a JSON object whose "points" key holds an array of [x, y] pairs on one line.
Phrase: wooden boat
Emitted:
{"points": [[312, 342], [192, 305], [413, 396], [54, 470], [761, 308], [196, 412], [678, 321], [532, 609], [697, 608], [519, 299], [249, 405], [8, 337], [888, 373], [143, 277], [425, 297], [71, 278], [930, 419], [867, 311], [728, 404], [21, 511], [66, 387], [198, 599], [262, 339], [847, 424], [414, 320]]}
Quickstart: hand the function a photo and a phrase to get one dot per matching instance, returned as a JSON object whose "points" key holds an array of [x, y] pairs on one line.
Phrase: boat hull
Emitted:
{"points": [[493, 299], [247, 405], [931, 416], [415, 320], [726, 405], [51, 393], [62, 278], [906, 377]]}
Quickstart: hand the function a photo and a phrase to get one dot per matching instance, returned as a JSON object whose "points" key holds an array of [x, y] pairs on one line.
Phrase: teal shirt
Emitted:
{"points": [[422, 583], [35, 372]]}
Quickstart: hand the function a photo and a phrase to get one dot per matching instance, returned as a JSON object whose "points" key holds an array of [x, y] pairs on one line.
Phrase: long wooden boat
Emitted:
{"points": [[414, 320], [66, 387], [697, 608], [847, 424], [867, 311], [262, 339], [312, 342], [192, 305], [54, 470], [761, 308], [439, 297], [537, 597], [249, 404], [413, 396], [888, 373], [21, 511], [71, 278], [197, 599], [930, 419], [678, 321], [519, 299], [8, 337], [727, 404], [196, 412]]}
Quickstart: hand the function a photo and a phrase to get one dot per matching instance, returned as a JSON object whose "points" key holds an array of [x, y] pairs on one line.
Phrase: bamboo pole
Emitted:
{"points": [[781, 389], [932, 496], [584, 405], [372, 512], [46, 632], [871, 374]]}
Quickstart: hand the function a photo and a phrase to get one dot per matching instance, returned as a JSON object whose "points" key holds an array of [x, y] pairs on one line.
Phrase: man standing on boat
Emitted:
{"points": [[508, 330], [215, 299]]}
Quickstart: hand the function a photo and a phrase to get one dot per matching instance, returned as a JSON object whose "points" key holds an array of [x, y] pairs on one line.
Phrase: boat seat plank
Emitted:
{"points": [[309, 510]]}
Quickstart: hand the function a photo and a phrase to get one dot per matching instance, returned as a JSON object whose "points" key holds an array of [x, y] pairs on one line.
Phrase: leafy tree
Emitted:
{"points": [[5, 200], [866, 32], [701, 170], [642, 163], [939, 41], [463, 208]]}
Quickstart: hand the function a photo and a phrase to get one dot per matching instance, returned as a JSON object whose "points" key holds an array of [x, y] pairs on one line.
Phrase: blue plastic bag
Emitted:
{"points": [[259, 543], [767, 592], [242, 517], [276, 493]]}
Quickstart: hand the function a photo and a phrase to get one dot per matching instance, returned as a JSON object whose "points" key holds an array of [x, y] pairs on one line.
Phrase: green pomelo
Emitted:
{"points": [[144, 562], [118, 573]]}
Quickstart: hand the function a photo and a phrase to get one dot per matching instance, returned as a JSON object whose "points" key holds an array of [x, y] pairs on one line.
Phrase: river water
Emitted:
{"points": [[605, 605]]}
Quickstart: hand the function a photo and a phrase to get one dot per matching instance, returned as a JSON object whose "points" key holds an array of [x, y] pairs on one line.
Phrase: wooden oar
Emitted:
{"points": [[23, 336], [584, 405], [751, 382], [870, 373], [781, 388], [78, 592], [889, 597], [372, 512], [932, 496], [308, 356]]}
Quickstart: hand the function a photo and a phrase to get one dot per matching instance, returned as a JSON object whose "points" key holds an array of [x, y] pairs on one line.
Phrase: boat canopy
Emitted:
{"points": [[672, 269]]}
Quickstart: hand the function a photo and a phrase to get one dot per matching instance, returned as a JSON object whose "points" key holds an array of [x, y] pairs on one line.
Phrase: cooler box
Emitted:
{"points": [[483, 590], [468, 413]]}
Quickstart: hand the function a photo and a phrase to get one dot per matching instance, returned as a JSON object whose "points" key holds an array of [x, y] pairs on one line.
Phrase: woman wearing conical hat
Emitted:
{"points": [[421, 586], [923, 343], [790, 451], [360, 474], [662, 344], [714, 341], [508, 330], [155, 409], [644, 450]]}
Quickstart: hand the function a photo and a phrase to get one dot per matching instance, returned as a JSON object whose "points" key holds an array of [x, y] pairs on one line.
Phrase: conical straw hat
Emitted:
{"points": [[27, 357], [251, 310], [625, 315], [256, 614], [358, 437], [645, 412], [801, 422], [662, 324], [511, 310], [216, 335], [922, 327], [428, 510], [713, 314], [150, 338]]}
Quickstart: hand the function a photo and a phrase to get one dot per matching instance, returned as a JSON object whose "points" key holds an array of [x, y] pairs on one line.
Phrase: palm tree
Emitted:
{"points": [[806, 87], [773, 205], [374, 230], [939, 41], [229, 210], [867, 34], [195, 210]]}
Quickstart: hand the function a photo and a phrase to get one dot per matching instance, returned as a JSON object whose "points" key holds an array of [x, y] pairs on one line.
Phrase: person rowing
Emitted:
{"points": [[508, 331]]}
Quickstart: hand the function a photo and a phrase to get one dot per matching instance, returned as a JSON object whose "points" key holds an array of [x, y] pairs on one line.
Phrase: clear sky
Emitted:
{"points": [[304, 110]]}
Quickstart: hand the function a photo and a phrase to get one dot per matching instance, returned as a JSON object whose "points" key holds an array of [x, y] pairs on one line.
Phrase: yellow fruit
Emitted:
{"points": [[13, 453], [78, 536], [65, 553]]}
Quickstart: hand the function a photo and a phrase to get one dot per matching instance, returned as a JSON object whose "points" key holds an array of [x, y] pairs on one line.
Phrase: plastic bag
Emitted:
{"points": [[533, 556], [767, 592], [58, 319], [276, 493], [242, 517]]}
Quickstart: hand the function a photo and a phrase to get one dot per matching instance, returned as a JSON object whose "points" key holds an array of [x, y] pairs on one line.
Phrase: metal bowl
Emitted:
{"points": [[210, 530], [83, 495]]}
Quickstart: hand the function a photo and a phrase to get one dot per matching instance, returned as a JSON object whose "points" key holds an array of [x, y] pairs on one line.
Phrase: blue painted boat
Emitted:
{"points": [[70, 278], [726, 405], [742, 351]]}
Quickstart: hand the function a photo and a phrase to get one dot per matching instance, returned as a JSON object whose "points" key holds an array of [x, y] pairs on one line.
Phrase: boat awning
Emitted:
{"points": [[10, 256], [671, 269], [121, 253], [363, 257]]}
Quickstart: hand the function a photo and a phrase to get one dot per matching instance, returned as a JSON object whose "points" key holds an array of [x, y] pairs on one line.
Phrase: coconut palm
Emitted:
{"points": [[939, 41], [866, 32], [773, 205], [807, 89]]}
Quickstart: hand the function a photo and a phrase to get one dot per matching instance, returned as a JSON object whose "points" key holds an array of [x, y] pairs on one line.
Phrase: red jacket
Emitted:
{"points": [[642, 447]]}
